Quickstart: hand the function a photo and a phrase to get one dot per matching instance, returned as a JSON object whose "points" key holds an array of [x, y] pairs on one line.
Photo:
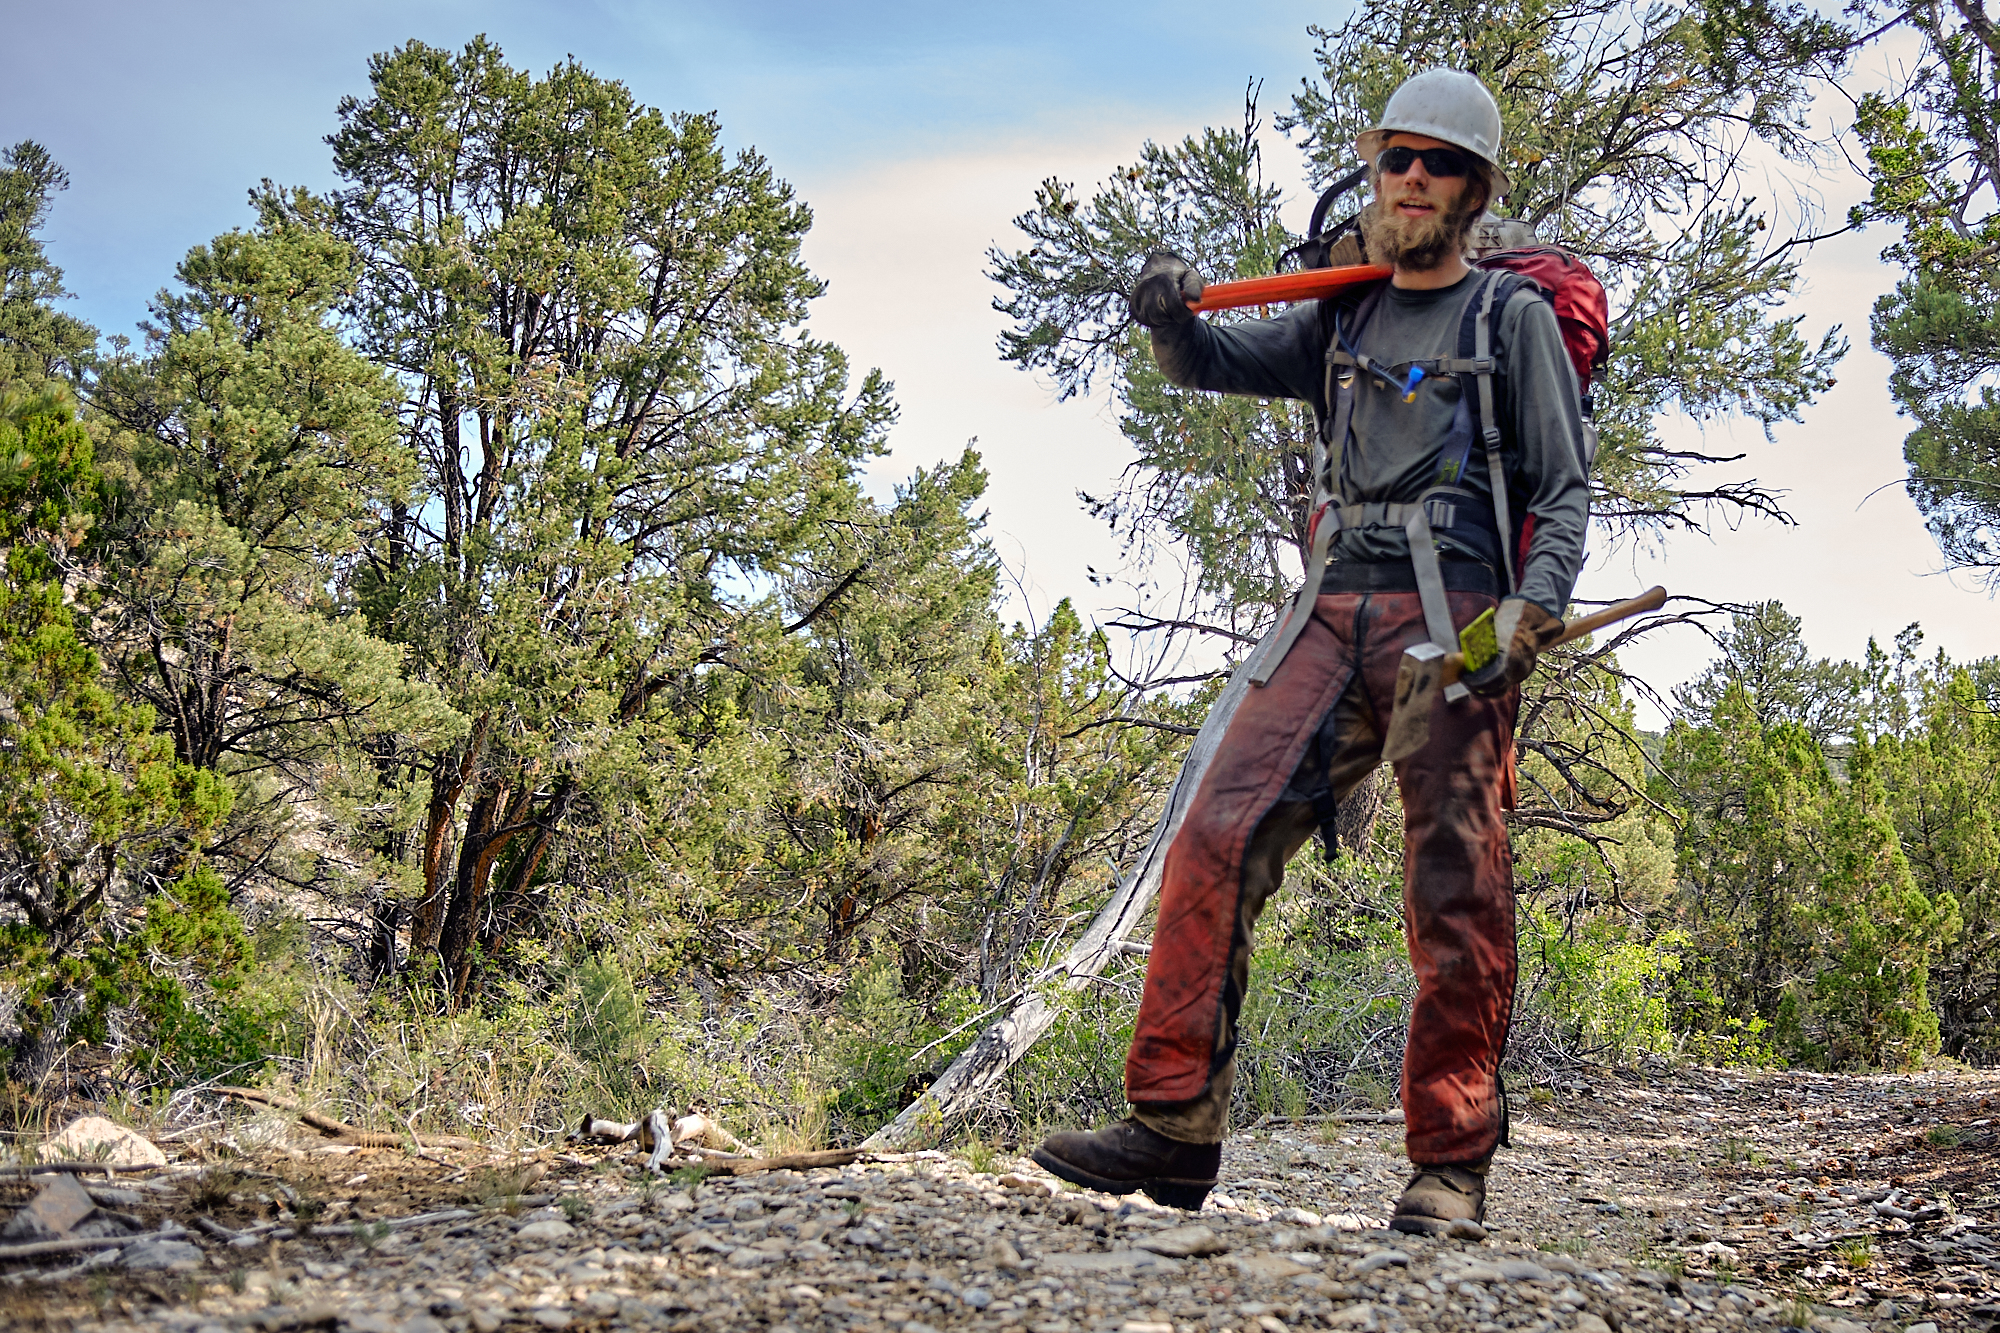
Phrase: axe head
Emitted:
{"points": [[1419, 685]]}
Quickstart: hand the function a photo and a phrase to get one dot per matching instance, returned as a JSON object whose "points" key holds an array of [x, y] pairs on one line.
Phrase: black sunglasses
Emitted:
{"points": [[1437, 161]]}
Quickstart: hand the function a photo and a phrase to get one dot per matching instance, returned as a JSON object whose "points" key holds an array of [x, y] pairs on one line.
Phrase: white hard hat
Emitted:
{"points": [[1445, 104]]}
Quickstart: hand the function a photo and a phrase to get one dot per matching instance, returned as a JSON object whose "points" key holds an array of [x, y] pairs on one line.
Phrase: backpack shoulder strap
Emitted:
{"points": [[1475, 343]]}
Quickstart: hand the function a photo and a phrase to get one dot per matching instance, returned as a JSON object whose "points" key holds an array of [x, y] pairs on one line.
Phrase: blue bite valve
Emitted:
{"points": [[1410, 385]]}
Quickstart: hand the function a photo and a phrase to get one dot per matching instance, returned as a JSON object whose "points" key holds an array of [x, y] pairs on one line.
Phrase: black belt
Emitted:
{"points": [[1401, 576]]}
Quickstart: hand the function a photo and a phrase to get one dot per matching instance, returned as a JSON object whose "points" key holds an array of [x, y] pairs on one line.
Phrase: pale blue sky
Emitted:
{"points": [[165, 113], [917, 132]]}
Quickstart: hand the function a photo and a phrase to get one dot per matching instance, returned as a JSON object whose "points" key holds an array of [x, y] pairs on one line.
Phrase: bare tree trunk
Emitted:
{"points": [[979, 1069], [1354, 819], [448, 782]]}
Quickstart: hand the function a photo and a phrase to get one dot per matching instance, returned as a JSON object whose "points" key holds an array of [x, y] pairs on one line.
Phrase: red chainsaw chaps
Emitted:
{"points": [[1458, 879]]}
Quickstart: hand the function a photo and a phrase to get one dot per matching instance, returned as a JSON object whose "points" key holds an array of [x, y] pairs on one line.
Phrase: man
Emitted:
{"points": [[1414, 543]]}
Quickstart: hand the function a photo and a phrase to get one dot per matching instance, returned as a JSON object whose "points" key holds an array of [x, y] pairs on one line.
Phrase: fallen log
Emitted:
{"points": [[74, 1244], [972, 1077], [72, 1168], [791, 1161], [340, 1129]]}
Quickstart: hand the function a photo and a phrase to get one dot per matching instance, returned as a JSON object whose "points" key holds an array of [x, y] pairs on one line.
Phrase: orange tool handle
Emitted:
{"points": [[1310, 285]]}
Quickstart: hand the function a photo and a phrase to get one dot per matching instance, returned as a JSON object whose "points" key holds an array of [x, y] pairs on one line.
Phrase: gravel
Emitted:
{"points": [[1292, 1240]]}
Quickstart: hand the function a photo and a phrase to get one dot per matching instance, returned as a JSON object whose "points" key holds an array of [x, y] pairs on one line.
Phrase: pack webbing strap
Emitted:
{"points": [[1496, 471], [1329, 453]]}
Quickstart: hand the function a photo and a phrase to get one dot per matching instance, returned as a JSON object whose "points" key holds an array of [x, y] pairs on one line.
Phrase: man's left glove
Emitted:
{"points": [[1522, 629], [1166, 284]]}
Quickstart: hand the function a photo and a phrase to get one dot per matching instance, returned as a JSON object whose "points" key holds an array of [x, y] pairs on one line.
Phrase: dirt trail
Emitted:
{"points": [[1631, 1199]]}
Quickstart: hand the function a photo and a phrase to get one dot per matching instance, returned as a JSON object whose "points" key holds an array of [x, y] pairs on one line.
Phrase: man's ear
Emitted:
{"points": [[1484, 184]]}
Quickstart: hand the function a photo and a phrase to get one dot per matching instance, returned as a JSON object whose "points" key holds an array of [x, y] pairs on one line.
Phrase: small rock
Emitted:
{"points": [[1382, 1259], [109, 1196], [420, 1323], [536, 1233], [1351, 1222], [1298, 1217], [1142, 1326], [1525, 1270], [1046, 1189], [1926, 1327], [56, 1208], [1107, 1261], [1827, 1324], [1189, 1242], [92, 1138], [1002, 1252], [977, 1297], [1464, 1228], [1270, 1323], [159, 1256], [1590, 1323], [802, 1292], [550, 1317], [602, 1302], [1266, 1267], [1353, 1316], [486, 1321]]}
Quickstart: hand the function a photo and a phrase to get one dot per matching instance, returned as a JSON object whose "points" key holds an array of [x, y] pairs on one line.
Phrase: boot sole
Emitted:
{"points": [[1412, 1224], [1187, 1195]]}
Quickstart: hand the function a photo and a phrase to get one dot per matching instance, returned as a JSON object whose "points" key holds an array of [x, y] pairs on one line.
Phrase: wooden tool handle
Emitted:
{"points": [[1310, 285], [1650, 600]]}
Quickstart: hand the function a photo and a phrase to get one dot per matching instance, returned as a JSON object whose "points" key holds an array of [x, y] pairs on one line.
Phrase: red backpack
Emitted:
{"points": [[1582, 309]]}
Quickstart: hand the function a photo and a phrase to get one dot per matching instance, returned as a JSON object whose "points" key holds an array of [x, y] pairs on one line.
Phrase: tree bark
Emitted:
{"points": [[1354, 819], [980, 1067], [448, 782]]}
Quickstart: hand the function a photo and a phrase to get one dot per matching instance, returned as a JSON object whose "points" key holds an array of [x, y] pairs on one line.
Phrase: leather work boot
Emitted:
{"points": [[1437, 1196], [1130, 1156]]}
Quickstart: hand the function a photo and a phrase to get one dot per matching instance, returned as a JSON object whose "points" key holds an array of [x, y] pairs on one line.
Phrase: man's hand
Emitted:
{"points": [[1166, 285], [1522, 630]]}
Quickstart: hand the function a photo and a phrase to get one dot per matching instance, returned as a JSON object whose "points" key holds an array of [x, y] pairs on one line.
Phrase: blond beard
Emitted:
{"points": [[1417, 244]]}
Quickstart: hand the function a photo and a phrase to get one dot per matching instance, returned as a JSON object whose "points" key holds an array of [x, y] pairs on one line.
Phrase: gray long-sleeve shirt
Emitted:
{"points": [[1392, 453]]}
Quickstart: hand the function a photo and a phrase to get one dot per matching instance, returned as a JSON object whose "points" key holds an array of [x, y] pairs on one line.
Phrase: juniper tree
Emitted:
{"points": [[259, 451], [1933, 150], [37, 341], [593, 313]]}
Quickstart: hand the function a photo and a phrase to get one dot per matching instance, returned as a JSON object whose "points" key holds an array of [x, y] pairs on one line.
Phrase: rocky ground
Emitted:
{"points": [[1630, 1200]]}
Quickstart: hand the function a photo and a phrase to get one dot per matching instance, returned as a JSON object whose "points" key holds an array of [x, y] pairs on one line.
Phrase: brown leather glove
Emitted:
{"points": [[1522, 629], [1166, 285]]}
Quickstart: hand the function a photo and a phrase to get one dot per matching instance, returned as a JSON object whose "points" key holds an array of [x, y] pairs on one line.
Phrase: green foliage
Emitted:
{"points": [[1610, 984], [592, 315], [607, 1027], [37, 341], [101, 828], [1931, 156], [1796, 891], [253, 451]]}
